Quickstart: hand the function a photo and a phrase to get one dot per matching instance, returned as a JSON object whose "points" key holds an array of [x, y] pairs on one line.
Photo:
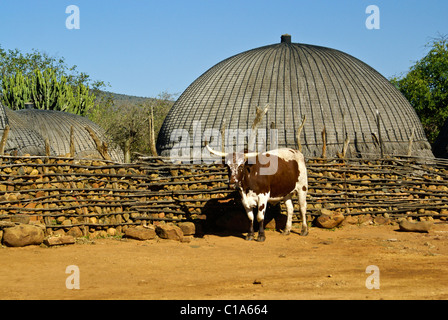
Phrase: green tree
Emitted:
{"points": [[426, 87], [46, 92], [47, 81], [15, 91], [82, 100], [128, 123]]}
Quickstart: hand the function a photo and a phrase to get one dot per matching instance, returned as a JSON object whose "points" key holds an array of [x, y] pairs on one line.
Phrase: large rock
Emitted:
{"points": [[420, 226], [168, 231], [141, 233], [23, 235], [328, 219], [188, 228], [75, 232], [380, 220], [57, 241]]}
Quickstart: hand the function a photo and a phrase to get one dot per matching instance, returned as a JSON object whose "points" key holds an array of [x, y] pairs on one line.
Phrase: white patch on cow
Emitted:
{"points": [[250, 214], [285, 153], [262, 203], [249, 200], [290, 210]]}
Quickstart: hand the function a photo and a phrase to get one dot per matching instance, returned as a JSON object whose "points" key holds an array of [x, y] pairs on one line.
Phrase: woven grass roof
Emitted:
{"points": [[332, 89], [55, 126], [30, 127], [22, 139]]}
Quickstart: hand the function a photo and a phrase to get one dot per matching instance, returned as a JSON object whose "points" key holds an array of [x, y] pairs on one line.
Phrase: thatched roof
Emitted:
{"points": [[30, 127], [332, 89], [22, 139], [55, 126]]}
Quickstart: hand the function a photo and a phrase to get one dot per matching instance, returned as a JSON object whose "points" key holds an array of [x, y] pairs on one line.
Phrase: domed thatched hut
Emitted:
{"points": [[332, 89], [56, 125], [29, 128]]}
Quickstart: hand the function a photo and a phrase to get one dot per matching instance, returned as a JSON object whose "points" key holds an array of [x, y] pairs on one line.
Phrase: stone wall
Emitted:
{"points": [[98, 198]]}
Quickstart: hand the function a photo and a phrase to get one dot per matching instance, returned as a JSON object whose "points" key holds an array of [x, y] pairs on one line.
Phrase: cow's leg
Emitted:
{"points": [[251, 233], [262, 205], [302, 206], [290, 210]]}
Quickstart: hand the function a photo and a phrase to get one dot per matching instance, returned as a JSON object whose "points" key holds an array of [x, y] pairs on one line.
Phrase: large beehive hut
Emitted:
{"points": [[332, 89]]}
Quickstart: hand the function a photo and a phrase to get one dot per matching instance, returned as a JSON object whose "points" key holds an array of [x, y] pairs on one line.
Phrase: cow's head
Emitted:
{"points": [[236, 162]]}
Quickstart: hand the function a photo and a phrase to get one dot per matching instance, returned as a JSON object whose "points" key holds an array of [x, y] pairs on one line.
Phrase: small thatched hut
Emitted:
{"points": [[29, 128]]}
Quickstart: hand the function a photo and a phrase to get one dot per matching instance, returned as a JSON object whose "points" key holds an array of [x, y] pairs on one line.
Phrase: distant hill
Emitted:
{"points": [[120, 99]]}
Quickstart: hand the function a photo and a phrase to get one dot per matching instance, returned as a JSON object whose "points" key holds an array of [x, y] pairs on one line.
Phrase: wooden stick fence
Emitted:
{"points": [[64, 193]]}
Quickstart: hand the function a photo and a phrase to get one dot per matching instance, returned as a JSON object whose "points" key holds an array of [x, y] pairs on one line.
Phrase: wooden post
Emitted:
{"points": [[344, 148], [273, 137], [47, 147], [253, 134], [127, 151], [72, 143], [100, 146], [378, 125], [299, 131], [324, 141], [4, 138], [152, 140]]}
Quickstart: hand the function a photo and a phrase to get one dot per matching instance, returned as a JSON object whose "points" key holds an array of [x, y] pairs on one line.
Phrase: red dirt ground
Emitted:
{"points": [[327, 264]]}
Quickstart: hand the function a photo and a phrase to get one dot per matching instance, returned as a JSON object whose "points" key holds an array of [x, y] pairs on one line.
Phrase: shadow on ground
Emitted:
{"points": [[227, 217]]}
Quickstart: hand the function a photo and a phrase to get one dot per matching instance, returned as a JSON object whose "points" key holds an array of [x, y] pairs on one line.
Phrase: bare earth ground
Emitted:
{"points": [[324, 265]]}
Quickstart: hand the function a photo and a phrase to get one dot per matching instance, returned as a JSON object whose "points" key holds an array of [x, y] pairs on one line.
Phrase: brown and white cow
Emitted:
{"points": [[268, 177]]}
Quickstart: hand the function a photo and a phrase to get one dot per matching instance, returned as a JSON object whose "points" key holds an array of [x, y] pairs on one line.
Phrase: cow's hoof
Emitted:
{"points": [[285, 232], [261, 238], [304, 232], [249, 237]]}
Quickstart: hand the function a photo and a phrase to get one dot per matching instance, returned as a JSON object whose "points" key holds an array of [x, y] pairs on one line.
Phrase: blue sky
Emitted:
{"points": [[146, 47]]}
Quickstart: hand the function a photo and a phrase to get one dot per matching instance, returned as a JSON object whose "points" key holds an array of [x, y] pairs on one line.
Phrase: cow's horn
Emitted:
{"points": [[250, 155], [221, 154]]}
